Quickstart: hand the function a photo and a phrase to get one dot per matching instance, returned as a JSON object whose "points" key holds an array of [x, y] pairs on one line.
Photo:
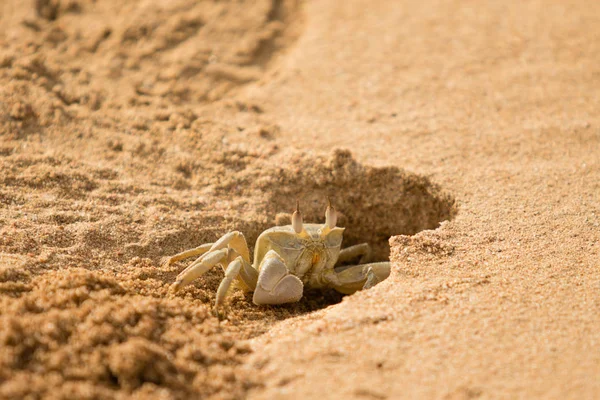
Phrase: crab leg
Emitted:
{"points": [[234, 240], [199, 267], [198, 251], [376, 272], [349, 279], [350, 253], [232, 272], [240, 269]]}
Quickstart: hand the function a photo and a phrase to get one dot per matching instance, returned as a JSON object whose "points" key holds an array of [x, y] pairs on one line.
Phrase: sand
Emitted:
{"points": [[461, 139]]}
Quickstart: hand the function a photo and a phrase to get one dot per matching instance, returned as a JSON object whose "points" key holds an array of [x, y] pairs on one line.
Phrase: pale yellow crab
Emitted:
{"points": [[286, 260]]}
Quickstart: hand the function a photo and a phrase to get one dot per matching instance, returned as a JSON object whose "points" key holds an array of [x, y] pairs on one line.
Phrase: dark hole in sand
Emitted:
{"points": [[374, 203]]}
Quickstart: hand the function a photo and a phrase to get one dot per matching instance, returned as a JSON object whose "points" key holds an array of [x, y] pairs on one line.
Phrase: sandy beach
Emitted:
{"points": [[461, 139]]}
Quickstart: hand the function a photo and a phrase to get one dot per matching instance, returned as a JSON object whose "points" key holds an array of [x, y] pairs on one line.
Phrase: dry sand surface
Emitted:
{"points": [[460, 138]]}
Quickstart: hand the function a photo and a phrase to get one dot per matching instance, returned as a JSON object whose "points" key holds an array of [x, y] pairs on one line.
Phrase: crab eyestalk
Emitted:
{"points": [[297, 219], [330, 215]]}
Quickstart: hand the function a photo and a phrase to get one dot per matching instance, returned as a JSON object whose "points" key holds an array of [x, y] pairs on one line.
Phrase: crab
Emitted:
{"points": [[287, 259]]}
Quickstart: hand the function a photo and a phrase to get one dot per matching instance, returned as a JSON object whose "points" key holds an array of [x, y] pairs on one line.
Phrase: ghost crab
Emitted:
{"points": [[286, 260]]}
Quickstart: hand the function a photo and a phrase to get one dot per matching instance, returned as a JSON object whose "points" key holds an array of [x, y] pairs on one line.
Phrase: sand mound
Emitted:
{"points": [[85, 301], [80, 334]]}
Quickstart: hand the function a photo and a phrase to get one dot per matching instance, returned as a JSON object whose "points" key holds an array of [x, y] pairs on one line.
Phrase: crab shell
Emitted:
{"points": [[309, 255]]}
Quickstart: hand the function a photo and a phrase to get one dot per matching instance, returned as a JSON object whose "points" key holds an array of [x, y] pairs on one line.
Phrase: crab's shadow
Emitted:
{"points": [[242, 310], [312, 300]]}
